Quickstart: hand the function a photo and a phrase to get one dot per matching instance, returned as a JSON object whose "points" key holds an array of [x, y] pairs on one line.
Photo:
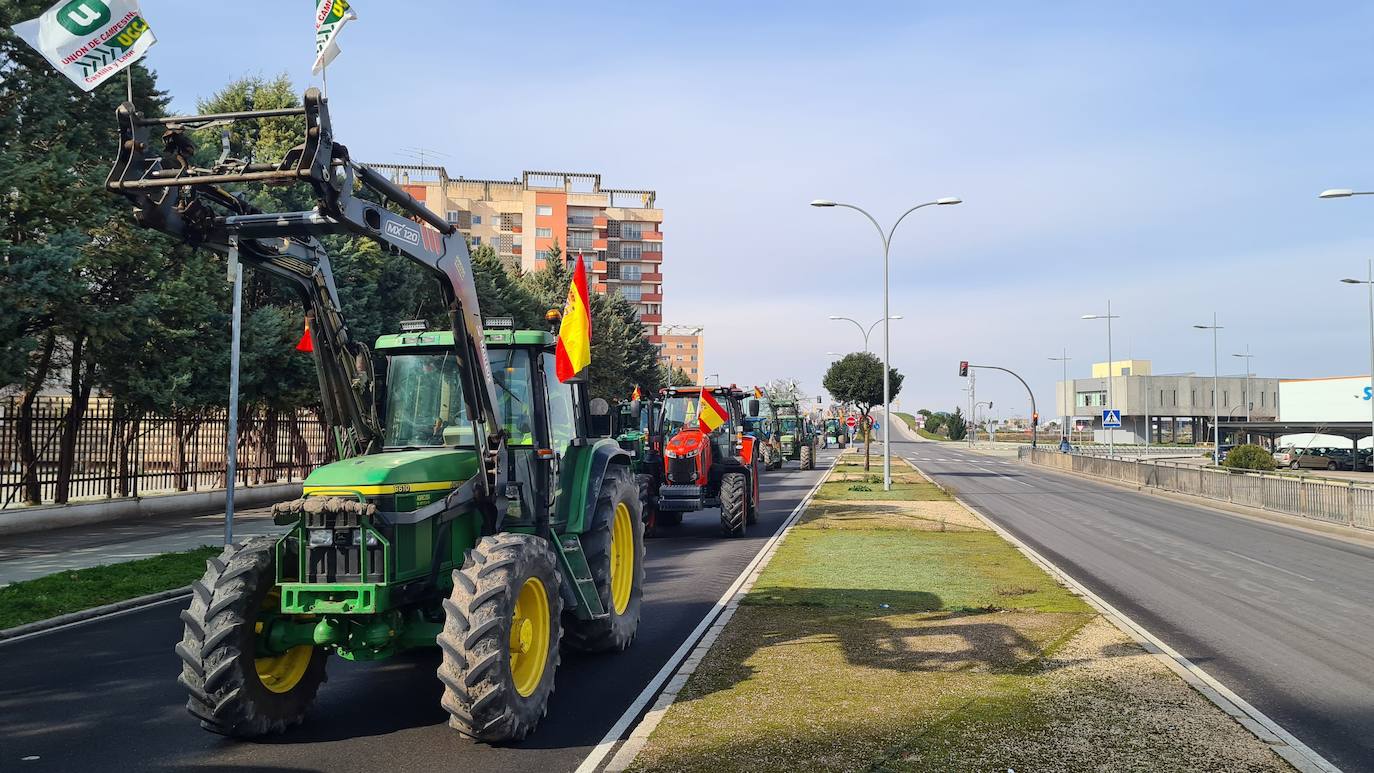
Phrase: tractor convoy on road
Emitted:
{"points": [[480, 504]]}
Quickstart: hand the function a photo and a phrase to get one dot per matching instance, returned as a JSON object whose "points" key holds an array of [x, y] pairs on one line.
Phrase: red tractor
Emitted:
{"points": [[707, 459]]}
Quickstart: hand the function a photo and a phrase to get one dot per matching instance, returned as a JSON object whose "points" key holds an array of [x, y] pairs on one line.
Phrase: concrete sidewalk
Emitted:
{"points": [[26, 556]]}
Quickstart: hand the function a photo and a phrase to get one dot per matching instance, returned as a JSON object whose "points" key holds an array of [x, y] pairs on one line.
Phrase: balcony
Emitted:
{"points": [[598, 244], [581, 221], [600, 287], [517, 250], [651, 298], [600, 222], [652, 257], [652, 236], [599, 266], [651, 319], [656, 278]]}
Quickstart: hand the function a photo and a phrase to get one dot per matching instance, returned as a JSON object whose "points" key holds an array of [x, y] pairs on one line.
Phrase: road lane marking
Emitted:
{"points": [[1271, 566], [696, 644], [1283, 743]]}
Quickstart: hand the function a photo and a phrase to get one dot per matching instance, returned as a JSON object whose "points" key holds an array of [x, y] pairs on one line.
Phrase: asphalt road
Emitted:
{"points": [[1281, 616], [103, 696]]}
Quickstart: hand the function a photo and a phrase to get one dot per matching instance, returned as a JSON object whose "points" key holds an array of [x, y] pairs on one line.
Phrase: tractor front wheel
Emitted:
{"points": [[500, 639], [734, 504], [236, 689], [807, 461], [615, 552]]}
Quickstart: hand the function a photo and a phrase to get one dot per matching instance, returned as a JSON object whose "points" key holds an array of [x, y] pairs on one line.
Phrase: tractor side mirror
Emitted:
{"points": [[753, 408], [600, 419], [636, 409]]}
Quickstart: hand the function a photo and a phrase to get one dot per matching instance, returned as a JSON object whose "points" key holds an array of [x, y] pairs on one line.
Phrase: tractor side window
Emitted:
{"points": [[424, 399], [512, 370], [562, 418]]}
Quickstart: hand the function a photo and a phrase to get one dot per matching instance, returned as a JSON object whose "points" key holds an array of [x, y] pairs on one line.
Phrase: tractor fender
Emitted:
{"points": [[747, 446], [584, 470]]}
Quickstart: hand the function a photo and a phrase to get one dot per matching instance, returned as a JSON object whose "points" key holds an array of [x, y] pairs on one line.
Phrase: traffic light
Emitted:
{"points": [[963, 367], [1035, 419]]}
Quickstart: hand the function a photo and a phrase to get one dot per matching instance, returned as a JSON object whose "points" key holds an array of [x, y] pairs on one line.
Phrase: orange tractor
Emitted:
{"points": [[707, 458]]}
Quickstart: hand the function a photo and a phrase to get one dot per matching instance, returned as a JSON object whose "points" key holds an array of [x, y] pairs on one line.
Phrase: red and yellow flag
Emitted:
{"points": [[636, 394], [710, 416], [574, 350], [307, 342]]}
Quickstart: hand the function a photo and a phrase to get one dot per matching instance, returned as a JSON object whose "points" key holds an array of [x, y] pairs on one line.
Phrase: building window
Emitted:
{"points": [[631, 292], [477, 241], [1225, 397], [653, 246], [541, 255], [579, 240], [630, 273], [1261, 399], [631, 230], [631, 252], [1175, 397], [453, 215], [476, 219], [544, 233], [544, 209], [1091, 399]]}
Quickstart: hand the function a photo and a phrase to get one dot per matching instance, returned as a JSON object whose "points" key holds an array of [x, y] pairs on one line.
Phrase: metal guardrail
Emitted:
{"points": [[1345, 503], [1144, 450]]}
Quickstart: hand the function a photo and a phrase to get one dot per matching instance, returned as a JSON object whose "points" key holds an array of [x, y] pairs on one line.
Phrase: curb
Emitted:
{"points": [[8, 635], [1269, 732], [689, 655]]}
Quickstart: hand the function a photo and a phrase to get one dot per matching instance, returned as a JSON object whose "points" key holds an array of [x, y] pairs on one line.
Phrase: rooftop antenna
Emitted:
{"points": [[423, 156]]}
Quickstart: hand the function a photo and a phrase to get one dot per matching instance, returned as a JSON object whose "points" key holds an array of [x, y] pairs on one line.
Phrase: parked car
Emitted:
{"points": [[1283, 456], [1315, 459]]}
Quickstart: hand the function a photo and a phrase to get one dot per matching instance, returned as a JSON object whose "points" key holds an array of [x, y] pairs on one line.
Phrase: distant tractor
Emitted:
{"points": [[835, 433], [764, 429], [636, 432], [706, 467], [796, 435]]}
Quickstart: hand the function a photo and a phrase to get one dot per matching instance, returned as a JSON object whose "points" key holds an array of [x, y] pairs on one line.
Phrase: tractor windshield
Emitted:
{"points": [[789, 425], [424, 399], [678, 412], [514, 376]]}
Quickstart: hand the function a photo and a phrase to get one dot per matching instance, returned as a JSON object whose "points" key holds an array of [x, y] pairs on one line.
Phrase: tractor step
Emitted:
{"points": [[584, 587]]}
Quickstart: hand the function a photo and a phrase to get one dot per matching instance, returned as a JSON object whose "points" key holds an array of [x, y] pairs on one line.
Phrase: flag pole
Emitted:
{"points": [[129, 80], [231, 440]]}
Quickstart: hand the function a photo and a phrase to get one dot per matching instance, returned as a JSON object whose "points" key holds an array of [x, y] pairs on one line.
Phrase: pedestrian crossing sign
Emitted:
{"points": [[1111, 418]]}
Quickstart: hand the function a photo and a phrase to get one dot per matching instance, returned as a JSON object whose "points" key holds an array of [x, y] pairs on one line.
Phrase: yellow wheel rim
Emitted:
{"points": [[529, 637], [281, 673], [622, 558]]}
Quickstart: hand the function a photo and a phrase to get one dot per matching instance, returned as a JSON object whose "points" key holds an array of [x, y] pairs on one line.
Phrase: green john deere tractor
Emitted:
{"points": [[835, 433], [478, 506], [797, 437], [764, 428]]}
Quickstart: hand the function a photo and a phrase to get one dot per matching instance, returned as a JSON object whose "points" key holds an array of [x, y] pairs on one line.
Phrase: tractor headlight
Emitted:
{"points": [[683, 455], [321, 538]]}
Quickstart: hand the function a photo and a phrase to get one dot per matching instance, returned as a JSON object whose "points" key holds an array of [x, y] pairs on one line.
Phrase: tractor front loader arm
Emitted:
{"points": [[173, 194]]}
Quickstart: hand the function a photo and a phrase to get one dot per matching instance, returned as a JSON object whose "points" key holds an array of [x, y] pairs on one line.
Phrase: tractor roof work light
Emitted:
{"points": [[414, 326]]}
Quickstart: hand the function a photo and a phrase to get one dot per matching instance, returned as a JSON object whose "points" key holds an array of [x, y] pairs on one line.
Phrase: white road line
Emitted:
{"points": [[1271, 566], [694, 645], [1284, 744]]}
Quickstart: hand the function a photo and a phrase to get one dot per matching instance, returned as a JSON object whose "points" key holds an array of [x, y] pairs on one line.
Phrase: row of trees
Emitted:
{"points": [[952, 425], [91, 304]]}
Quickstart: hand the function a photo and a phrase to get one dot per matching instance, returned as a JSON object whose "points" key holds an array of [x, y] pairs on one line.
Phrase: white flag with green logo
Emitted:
{"points": [[330, 17], [89, 40]]}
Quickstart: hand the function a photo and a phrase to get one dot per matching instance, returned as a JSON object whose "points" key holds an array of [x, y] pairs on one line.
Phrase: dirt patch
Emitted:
{"points": [[923, 516]]}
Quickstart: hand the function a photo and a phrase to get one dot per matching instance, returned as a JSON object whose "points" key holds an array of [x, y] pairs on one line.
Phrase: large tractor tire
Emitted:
{"points": [[808, 461], [233, 692], [647, 494], [500, 640], [615, 553], [734, 504]]}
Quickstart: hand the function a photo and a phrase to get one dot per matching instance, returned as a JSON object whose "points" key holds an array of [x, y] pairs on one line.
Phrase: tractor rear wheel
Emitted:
{"points": [[647, 506], [235, 692], [734, 504], [615, 553], [807, 462], [500, 639]]}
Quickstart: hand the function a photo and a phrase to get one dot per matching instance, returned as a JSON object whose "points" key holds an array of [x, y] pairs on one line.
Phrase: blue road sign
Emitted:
{"points": [[877, 425], [1111, 418]]}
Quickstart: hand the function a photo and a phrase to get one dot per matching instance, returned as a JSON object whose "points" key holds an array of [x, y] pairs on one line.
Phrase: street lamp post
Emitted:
{"points": [[1111, 436], [887, 317], [1247, 357], [974, 417], [1216, 404], [1064, 417], [1343, 193], [1370, 282], [866, 332]]}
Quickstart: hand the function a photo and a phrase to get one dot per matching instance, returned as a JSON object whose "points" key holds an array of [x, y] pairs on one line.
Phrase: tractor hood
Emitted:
{"points": [[687, 442], [395, 472]]}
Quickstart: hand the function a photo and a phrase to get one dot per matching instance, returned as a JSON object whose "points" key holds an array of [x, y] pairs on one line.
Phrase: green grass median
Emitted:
{"points": [[903, 635], [72, 591]]}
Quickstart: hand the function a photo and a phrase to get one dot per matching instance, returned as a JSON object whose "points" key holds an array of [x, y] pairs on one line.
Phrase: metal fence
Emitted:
{"points": [[1347, 503], [116, 456]]}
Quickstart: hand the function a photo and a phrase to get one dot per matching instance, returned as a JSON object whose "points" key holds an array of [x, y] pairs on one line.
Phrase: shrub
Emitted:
{"points": [[1249, 457], [860, 487]]}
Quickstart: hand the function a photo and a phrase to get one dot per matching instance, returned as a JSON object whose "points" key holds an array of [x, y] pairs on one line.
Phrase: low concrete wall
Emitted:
{"points": [[43, 518]]}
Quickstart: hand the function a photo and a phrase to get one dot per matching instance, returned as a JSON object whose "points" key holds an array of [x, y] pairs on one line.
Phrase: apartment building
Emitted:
{"points": [[618, 231], [683, 346]]}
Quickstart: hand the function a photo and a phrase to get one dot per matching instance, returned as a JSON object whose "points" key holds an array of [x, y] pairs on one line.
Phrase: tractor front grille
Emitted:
{"points": [[682, 471]]}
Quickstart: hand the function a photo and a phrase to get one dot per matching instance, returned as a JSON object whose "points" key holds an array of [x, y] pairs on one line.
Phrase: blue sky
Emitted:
{"points": [[1167, 157]]}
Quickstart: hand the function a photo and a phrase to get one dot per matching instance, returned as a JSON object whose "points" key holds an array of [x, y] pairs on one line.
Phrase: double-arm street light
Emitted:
{"points": [[887, 317], [865, 331], [1111, 442], [1342, 193], [1216, 402]]}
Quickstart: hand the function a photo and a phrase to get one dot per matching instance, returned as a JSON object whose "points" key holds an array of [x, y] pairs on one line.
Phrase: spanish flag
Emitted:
{"points": [[711, 415], [758, 393], [636, 394], [307, 342], [573, 352]]}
